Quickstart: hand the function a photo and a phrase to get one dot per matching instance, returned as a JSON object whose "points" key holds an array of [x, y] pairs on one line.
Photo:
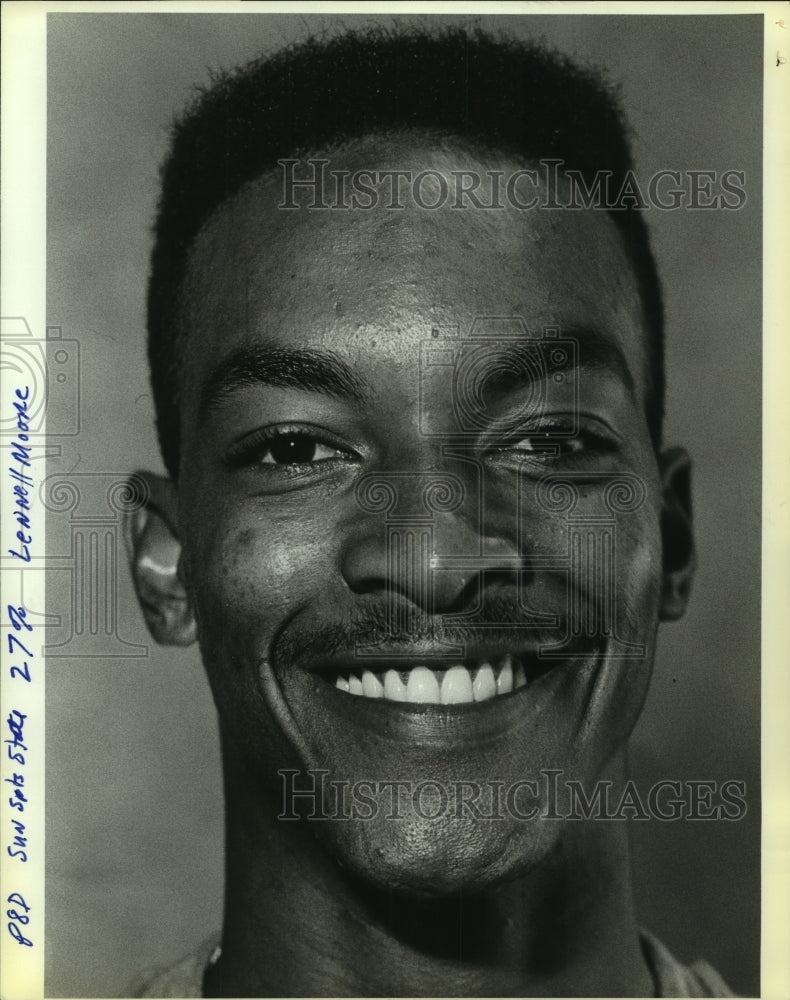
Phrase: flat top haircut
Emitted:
{"points": [[510, 97]]}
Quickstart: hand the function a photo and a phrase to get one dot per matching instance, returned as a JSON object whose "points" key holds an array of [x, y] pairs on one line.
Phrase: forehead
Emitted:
{"points": [[374, 282]]}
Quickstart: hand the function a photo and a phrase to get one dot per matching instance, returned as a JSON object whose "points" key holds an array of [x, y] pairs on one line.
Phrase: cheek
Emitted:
{"points": [[249, 571], [632, 594], [639, 563], [609, 554]]}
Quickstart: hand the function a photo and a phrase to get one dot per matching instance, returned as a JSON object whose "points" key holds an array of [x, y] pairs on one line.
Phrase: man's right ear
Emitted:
{"points": [[154, 551]]}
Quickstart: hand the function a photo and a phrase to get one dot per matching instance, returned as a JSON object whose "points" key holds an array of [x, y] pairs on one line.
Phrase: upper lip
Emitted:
{"points": [[430, 654]]}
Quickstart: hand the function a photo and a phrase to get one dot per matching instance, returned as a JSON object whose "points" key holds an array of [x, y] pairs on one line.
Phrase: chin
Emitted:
{"points": [[436, 859]]}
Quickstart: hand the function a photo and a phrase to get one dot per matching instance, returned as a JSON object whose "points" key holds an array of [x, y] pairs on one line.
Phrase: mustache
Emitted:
{"points": [[372, 623]]}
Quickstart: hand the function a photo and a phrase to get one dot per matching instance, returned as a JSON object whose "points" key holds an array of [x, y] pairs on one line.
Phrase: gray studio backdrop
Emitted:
{"points": [[134, 800]]}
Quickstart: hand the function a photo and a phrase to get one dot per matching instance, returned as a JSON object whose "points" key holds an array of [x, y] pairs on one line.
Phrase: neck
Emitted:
{"points": [[297, 925]]}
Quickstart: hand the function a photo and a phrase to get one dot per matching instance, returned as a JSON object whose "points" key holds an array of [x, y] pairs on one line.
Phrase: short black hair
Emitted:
{"points": [[513, 97]]}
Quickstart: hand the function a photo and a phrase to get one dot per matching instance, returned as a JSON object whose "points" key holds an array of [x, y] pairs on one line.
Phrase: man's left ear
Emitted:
{"points": [[679, 560]]}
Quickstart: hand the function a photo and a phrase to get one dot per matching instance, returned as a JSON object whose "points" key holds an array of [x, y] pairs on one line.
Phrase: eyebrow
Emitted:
{"points": [[313, 370], [593, 352], [309, 370]]}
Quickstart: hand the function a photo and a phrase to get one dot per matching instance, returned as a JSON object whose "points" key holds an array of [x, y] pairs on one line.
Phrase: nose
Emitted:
{"points": [[420, 538]]}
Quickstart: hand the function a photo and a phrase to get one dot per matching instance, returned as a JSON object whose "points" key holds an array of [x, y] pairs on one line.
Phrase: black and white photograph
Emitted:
{"points": [[386, 598]]}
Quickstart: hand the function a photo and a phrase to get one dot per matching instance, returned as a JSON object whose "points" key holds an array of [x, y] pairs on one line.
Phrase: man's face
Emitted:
{"points": [[306, 369]]}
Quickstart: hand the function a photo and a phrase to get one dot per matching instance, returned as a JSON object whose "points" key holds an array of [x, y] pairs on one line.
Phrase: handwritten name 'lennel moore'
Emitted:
{"points": [[22, 480]]}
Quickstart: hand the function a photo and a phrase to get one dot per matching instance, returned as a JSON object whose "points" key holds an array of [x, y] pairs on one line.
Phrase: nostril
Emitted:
{"points": [[439, 572]]}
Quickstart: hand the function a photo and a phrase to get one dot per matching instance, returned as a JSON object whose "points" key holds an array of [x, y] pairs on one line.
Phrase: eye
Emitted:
{"points": [[284, 449], [296, 449], [557, 442], [548, 442]]}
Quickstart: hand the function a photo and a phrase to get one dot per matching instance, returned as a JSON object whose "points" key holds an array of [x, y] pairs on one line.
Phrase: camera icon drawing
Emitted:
{"points": [[498, 352], [50, 370]]}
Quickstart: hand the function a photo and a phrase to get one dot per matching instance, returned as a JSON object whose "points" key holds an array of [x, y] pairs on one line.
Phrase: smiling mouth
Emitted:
{"points": [[458, 683], [455, 703]]}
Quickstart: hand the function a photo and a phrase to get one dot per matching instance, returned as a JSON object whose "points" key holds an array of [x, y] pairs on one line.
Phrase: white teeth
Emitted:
{"points": [[422, 686], [394, 688], [453, 686], [504, 683], [484, 686], [456, 686], [371, 685]]}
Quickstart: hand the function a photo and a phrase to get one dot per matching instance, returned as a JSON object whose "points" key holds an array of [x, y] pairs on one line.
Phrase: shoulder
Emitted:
{"points": [[182, 979], [674, 979]]}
